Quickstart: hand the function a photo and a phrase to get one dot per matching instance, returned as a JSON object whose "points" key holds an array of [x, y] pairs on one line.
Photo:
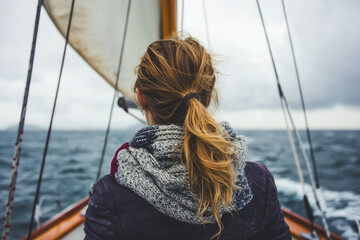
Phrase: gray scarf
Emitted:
{"points": [[150, 170]]}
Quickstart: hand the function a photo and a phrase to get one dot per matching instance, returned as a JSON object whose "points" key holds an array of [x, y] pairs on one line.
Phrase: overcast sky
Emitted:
{"points": [[326, 39]]}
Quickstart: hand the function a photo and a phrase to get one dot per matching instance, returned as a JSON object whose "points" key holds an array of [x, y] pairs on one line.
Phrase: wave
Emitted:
{"points": [[344, 204], [343, 207]]}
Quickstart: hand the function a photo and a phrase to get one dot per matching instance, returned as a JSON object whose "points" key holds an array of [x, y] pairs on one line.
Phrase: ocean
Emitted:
{"points": [[73, 160]]}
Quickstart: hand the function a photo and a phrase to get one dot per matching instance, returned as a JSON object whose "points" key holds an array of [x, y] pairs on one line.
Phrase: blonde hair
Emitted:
{"points": [[169, 70]]}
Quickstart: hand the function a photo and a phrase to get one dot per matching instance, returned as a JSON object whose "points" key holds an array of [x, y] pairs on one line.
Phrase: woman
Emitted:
{"points": [[184, 176]]}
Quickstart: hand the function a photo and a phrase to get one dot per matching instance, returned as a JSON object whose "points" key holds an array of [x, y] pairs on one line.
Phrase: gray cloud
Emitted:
{"points": [[326, 42], [325, 35]]}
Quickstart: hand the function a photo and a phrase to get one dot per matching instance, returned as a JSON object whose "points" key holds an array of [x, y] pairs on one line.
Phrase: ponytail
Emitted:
{"points": [[169, 71], [208, 160]]}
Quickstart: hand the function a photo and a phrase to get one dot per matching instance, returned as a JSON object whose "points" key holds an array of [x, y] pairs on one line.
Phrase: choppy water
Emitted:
{"points": [[73, 159]]}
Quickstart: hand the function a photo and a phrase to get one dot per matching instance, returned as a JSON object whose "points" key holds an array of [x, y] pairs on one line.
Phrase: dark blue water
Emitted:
{"points": [[73, 160]]}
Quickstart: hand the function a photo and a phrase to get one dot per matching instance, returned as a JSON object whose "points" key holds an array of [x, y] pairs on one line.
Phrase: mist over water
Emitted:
{"points": [[73, 160]]}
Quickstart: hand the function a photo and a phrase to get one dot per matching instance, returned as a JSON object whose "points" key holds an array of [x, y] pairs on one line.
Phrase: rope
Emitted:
{"points": [[301, 144], [137, 118], [206, 24], [50, 126], [308, 208], [302, 99], [358, 225], [115, 92], [317, 194], [315, 174], [293, 147], [283, 101], [16, 157], [126, 105], [182, 16]]}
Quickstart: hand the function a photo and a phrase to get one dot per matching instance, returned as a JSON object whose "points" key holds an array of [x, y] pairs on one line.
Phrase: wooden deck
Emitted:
{"points": [[68, 224], [61, 225], [300, 225]]}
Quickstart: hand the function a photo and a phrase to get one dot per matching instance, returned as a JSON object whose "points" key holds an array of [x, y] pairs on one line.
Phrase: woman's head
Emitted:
{"points": [[169, 70], [174, 69]]}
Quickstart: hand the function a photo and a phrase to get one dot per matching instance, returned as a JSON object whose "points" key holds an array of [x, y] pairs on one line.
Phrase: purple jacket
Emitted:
{"points": [[116, 212]]}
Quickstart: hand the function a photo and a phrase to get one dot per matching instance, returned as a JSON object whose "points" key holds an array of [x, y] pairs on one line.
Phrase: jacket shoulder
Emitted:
{"points": [[256, 166], [98, 219], [272, 224], [257, 174], [108, 192], [132, 217], [98, 198]]}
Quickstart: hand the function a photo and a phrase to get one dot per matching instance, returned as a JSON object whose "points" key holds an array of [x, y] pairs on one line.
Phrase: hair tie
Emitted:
{"points": [[189, 96]]}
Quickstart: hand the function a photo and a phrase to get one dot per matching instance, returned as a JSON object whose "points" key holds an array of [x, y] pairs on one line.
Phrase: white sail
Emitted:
{"points": [[97, 30]]}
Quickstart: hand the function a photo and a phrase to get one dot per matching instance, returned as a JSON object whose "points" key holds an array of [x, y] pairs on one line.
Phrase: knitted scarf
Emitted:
{"points": [[150, 169]]}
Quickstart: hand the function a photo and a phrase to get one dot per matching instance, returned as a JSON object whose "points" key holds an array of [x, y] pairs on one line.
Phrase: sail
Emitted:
{"points": [[97, 30]]}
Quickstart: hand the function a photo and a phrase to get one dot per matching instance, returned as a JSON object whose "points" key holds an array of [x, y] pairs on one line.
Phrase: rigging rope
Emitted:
{"points": [[137, 118], [16, 157], [293, 147], [126, 104], [319, 199], [36, 200], [302, 98], [115, 92], [301, 144], [309, 211], [283, 100], [317, 193]]}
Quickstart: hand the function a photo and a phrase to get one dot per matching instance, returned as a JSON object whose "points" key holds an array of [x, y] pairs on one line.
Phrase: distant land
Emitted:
{"points": [[28, 127]]}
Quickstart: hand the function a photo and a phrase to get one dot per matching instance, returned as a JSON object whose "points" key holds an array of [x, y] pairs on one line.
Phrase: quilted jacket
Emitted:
{"points": [[116, 212]]}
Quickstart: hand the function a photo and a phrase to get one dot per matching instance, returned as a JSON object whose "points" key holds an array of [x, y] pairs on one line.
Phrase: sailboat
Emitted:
{"points": [[97, 40]]}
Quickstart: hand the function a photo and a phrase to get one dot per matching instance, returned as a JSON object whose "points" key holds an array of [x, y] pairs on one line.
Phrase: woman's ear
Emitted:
{"points": [[140, 99]]}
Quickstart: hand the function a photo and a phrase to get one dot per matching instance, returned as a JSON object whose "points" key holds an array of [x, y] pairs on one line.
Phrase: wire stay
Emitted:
{"points": [[16, 157], [115, 92], [320, 202], [283, 101], [36, 200]]}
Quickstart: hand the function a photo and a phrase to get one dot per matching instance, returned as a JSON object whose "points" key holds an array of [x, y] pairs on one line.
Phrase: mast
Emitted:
{"points": [[168, 18]]}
